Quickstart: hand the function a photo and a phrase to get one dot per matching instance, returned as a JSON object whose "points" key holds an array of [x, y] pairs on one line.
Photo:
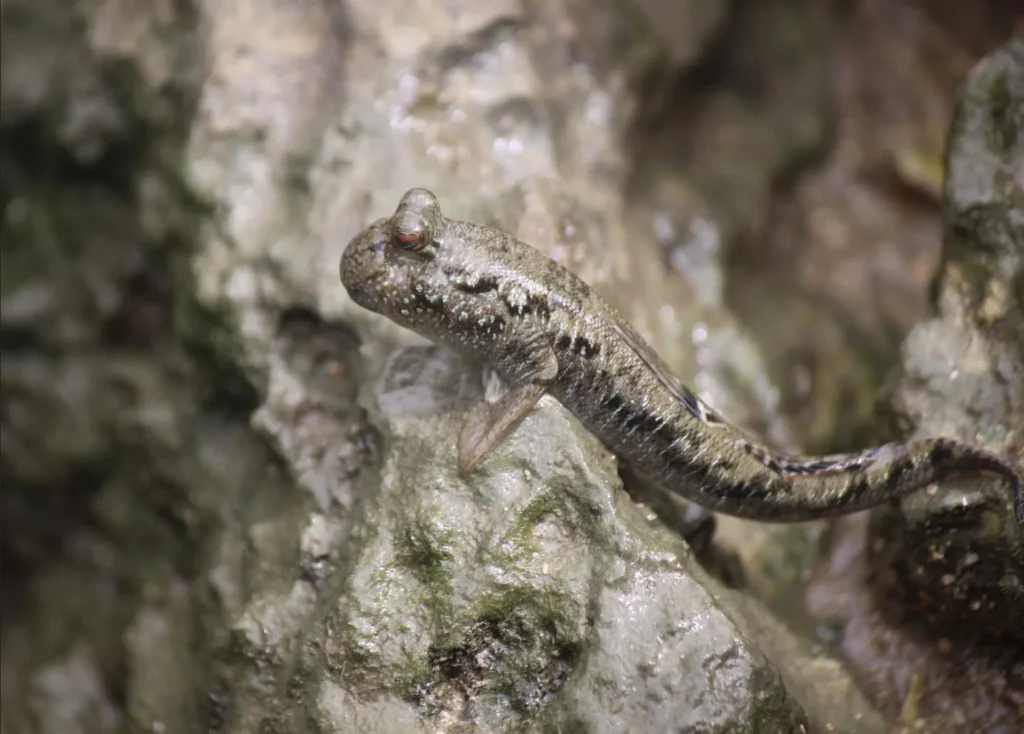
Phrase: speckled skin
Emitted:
{"points": [[482, 292]]}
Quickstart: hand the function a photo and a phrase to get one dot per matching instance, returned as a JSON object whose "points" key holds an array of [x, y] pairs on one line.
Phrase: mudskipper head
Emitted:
{"points": [[385, 267]]}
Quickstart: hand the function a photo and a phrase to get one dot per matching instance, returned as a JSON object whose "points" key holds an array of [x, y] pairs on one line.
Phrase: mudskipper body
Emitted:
{"points": [[484, 293]]}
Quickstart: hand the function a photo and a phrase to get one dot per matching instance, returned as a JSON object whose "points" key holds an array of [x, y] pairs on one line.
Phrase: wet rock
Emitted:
{"points": [[532, 595], [931, 602], [919, 679], [124, 460], [964, 373]]}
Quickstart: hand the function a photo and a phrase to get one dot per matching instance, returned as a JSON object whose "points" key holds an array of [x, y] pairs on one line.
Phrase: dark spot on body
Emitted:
{"points": [[627, 416], [481, 285], [773, 464], [613, 402], [585, 348], [641, 420], [533, 304], [756, 451], [692, 404], [564, 342], [940, 454], [808, 467], [541, 307], [741, 492], [894, 474], [857, 488], [826, 466]]}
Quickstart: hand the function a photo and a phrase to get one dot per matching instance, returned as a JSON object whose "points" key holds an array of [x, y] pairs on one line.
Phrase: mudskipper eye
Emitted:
{"points": [[414, 225], [413, 240]]}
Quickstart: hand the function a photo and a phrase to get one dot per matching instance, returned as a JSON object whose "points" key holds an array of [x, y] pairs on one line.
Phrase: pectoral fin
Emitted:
{"points": [[489, 425]]}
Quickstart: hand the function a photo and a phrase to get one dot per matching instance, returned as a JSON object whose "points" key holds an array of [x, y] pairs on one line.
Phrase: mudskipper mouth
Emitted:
{"points": [[360, 296]]}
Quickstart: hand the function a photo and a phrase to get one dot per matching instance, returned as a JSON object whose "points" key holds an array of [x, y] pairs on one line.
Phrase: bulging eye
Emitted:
{"points": [[413, 240], [411, 229]]}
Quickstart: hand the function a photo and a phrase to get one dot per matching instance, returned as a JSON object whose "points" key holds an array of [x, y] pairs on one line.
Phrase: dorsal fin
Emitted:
{"points": [[694, 405]]}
